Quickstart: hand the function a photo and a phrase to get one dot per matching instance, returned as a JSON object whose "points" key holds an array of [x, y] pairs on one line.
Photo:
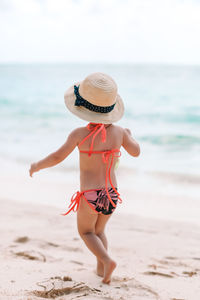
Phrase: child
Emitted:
{"points": [[95, 99]]}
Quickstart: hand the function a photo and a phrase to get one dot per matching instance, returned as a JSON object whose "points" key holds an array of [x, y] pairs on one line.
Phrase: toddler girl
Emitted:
{"points": [[95, 99]]}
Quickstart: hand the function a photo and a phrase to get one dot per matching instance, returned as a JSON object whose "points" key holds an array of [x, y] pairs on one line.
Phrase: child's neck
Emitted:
{"points": [[95, 124]]}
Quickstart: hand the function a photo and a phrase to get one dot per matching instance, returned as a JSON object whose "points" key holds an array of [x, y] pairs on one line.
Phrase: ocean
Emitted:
{"points": [[162, 109]]}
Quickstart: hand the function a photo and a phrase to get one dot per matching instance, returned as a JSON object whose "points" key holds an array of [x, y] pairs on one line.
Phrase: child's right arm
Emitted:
{"points": [[129, 144], [59, 155]]}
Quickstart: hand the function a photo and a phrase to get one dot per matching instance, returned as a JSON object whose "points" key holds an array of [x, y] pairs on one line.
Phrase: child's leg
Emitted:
{"points": [[86, 226], [99, 230], [109, 266]]}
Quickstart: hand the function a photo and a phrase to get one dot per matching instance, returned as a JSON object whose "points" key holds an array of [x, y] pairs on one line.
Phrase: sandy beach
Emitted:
{"points": [[42, 256]]}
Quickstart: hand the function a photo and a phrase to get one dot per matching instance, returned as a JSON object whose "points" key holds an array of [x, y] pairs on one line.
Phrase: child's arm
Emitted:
{"points": [[57, 156], [129, 144]]}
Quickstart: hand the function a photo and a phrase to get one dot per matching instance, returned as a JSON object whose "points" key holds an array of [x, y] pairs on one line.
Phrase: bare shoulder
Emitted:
{"points": [[117, 129], [121, 130], [77, 131], [117, 133], [77, 134]]}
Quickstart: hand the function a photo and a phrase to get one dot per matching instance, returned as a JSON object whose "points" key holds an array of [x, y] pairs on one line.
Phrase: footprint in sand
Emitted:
{"points": [[72, 249], [155, 271], [45, 244], [171, 257], [158, 273], [76, 262], [64, 278], [64, 247], [172, 261], [61, 286], [23, 239], [192, 269], [175, 262], [126, 288], [132, 288], [52, 244], [189, 273], [31, 255]]}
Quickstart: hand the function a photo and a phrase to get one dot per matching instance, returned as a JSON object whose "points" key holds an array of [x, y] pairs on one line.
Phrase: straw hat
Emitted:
{"points": [[95, 99]]}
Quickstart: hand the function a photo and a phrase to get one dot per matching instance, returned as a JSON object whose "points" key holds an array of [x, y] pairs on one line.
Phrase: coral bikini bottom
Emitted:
{"points": [[98, 200]]}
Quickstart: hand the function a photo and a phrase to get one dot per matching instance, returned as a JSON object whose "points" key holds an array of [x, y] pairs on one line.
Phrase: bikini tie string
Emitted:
{"points": [[105, 157], [95, 130], [75, 201]]}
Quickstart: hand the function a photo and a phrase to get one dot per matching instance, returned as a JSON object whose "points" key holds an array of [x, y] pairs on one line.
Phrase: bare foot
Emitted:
{"points": [[100, 268], [108, 269]]}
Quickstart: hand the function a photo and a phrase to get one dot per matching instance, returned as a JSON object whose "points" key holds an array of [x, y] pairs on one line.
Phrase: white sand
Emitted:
{"points": [[156, 259], [41, 250]]}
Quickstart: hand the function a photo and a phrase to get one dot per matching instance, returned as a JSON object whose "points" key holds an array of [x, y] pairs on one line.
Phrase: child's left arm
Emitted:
{"points": [[57, 156]]}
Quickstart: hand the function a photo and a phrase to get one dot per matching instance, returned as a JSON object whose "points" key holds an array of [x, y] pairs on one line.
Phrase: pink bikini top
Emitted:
{"points": [[95, 129]]}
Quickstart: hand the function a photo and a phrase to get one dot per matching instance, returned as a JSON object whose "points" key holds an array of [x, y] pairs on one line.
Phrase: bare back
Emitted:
{"points": [[92, 168]]}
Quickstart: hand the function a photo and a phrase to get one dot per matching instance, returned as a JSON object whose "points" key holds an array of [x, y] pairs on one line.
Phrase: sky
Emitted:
{"points": [[101, 31]]}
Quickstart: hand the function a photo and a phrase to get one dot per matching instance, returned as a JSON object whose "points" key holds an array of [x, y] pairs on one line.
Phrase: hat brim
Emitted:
{"points": [[91, 116]]}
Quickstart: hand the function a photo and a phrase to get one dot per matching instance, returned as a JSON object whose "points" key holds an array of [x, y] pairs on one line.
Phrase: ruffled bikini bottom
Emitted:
{"points": [[99, 201]]}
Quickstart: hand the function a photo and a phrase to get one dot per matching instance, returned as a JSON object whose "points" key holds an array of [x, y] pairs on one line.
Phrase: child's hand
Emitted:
{"points": [[34, 168]]}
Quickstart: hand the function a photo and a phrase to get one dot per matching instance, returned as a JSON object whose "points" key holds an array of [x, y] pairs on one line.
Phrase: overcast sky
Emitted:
{"points": [[153, 31]]}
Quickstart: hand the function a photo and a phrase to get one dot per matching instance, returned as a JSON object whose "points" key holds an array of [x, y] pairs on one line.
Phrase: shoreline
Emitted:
{"points": [[42, 250]]}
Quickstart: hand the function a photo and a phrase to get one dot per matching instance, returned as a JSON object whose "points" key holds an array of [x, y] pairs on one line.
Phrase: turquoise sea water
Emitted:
{"points": [[162, 109]]}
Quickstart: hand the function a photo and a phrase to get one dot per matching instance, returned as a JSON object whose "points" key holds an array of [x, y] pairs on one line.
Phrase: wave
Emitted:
{"points": [[166, 118], [178, 140]]}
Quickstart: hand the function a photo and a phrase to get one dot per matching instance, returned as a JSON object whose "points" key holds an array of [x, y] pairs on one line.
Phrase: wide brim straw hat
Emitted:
{"points": [[95, 99]]}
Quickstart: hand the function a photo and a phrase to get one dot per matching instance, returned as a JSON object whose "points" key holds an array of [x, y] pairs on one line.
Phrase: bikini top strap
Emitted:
{"points": [[95, 130]]}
